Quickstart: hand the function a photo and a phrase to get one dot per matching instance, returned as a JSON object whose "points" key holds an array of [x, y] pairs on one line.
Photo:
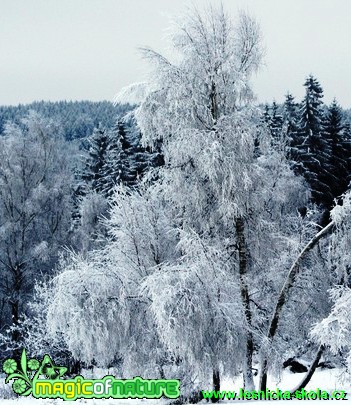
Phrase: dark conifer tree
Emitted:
{"points": [[311, 113], [312, 148], [112, 168], [116, 157], [290, 121], [134, 158], [340, 150], [94, 171], [290, 116], [266, 117], [276, 121]]}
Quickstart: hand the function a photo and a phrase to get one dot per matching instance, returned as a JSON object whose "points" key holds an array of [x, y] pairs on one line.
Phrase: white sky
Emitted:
{"points": [[87, 49]]}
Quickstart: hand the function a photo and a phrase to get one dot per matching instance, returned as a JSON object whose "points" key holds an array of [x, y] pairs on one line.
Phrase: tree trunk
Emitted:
{"points": [[244, 291], [283, 296], [75, 368], [15, 334], [311, 370], [216, 383], [162, 373], [17, 283], [15, 319]]}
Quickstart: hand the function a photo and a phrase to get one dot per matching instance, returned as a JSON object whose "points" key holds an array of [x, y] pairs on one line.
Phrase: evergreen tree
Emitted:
{"points": [[273, 121], [290, 116], [290, 121], [116, 157], [311, 111], [277, 121], [134, 158], [312, 148], [130, 145], [267, 118], [90, 203], [112, 166], [94, 171], [340, 148]]}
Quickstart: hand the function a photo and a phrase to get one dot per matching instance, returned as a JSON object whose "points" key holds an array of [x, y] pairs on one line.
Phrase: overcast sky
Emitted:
{"points": [[87, 49]]}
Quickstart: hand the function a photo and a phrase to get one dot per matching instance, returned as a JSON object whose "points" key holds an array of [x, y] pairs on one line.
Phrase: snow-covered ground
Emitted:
{"points": [[327, 380]]}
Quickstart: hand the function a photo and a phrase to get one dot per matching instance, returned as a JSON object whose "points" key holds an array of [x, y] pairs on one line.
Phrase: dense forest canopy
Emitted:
{"points": [[75, 119]]}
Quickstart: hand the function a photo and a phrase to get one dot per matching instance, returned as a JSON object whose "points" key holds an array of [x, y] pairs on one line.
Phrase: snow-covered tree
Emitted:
{"points": [[335, 330], [35, 189], [340, 150], [135, 160], [311, 113], [312, 149], [95, 181], [100, 291], [277, 121], [112, 165], [290, 115], [89, 231], [229, 199], [197, 252], [93, 174]]}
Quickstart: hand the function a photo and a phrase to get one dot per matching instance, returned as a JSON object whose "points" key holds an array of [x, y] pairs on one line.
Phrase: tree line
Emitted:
{"points": [[317, 141]]}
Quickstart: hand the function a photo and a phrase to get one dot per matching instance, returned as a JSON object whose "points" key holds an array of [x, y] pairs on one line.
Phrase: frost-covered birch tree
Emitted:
{"points": [[96, 304], [198, 251], [34, 208], [234, 195]]}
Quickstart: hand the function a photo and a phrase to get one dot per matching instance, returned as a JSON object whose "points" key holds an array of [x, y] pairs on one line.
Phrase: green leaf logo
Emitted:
{"points": [[10, 366], [19, 386], [27, 372], [33, 364]]}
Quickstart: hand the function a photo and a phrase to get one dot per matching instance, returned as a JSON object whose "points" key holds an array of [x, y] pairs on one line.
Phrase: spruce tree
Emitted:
{"points": [[134, 158], [112, 166], [94, 171], [277, 121], [116, 157], [90, 195], [273, 121], [312, 148], [267, 118], [89, 177], [290, 116], [311, 111], [340, 148], [290, 121]]}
